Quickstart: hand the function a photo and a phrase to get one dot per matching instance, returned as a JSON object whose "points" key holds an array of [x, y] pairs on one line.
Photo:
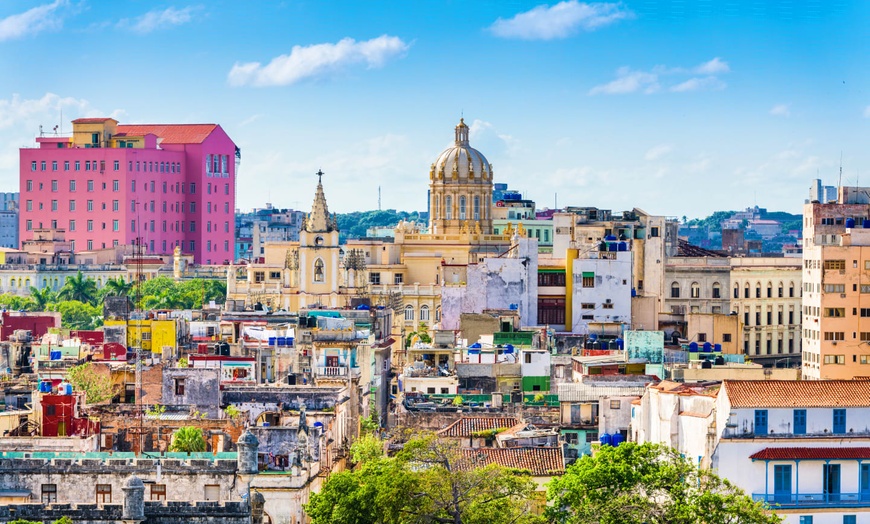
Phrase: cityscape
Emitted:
{"points": [[551, 295]]}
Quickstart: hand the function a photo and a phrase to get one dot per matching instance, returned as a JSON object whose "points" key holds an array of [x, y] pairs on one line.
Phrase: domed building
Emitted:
{"points": [[460, 188]]}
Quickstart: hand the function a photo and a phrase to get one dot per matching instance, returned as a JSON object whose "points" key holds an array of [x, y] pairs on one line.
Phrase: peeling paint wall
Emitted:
{"points": [[608, 299]]}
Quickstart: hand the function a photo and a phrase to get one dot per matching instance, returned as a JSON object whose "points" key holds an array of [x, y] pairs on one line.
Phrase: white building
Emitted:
{"points": [[601, 290]]}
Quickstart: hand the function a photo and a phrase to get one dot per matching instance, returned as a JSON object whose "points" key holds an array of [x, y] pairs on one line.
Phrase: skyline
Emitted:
{"points": [[612, 105]]}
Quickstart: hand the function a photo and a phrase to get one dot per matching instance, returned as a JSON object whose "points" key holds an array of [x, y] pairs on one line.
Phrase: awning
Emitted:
{"points": [[802, 453], [385, 344], [14, 493]]}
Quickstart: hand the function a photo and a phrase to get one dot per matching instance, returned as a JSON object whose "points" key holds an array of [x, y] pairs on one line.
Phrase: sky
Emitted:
{"points": [[678, 107]]}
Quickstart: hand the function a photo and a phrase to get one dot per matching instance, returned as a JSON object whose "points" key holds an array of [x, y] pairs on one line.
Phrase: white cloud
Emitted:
{"points": [[713, 67], [698, 84], [317, 60], [559, 21], [657, 152], [780, 110], [32, 21], [628, 81], [632, 81], [159, 19]]}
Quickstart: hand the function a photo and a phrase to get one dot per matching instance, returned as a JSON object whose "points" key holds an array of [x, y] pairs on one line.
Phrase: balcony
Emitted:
{"points": [[331, 371], [813, 500]]}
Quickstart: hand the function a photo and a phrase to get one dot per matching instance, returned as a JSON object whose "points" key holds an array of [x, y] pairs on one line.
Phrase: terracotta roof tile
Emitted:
{"points": [[541, 462], [811, 453], [797, 393], [171, 133], [465, 426]]}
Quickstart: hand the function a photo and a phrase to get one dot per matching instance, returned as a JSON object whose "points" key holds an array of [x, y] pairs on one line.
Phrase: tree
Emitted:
{"points": [[187, 439], [79, 288], [648, 484], [41, 298], [62, 520], [97, 387], [428, 481], [78, 315], [117, 287]]}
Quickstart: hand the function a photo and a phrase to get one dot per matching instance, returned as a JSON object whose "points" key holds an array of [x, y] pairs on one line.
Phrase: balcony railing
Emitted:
{"points": [[331, 371], [802, 500]]}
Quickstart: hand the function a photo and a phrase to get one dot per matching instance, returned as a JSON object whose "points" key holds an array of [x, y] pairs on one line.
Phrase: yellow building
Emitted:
{"points": [[160, 336]]}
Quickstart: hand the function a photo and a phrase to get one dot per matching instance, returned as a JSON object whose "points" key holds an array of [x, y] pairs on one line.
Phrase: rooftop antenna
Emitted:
{"points": [[840, 180], [379, 198]]}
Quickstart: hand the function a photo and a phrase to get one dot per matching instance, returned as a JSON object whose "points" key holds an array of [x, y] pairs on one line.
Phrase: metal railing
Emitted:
{"points": [[813, 499]]}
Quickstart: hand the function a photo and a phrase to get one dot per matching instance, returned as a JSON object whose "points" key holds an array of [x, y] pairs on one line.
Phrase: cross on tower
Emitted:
{"points": [[319, 175]]}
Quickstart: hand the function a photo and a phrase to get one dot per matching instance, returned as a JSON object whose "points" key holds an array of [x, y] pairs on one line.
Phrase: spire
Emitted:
{"points": [[462, 133], [319, 220]]}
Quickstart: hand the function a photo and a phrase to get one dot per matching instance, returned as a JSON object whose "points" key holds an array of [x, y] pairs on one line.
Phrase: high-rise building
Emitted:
{"points": [[9, 220], [836, 286], [163, 185]]}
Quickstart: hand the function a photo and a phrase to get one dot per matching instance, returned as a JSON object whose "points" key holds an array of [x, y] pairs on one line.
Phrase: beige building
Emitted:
{"points": [[836, 287]]}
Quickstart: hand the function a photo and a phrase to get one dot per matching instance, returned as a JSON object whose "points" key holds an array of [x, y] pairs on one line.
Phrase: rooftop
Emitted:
{"points": [[467, 426], [542, 462], [797, 453], [170, 133], [798, 393]]}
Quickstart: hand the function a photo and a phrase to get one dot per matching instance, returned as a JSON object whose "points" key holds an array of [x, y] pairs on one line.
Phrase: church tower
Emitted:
{"points": [[319, 254], [460, 184]]}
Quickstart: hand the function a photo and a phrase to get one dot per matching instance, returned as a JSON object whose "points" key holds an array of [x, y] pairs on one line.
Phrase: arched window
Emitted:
{"points": [[791, 289], [769, 290], [696, 290], [779, 294], [746, 291], [448, 207], [477, 208], [462, 207], [758, 290], [717, 290], [318, 270], [424, 313], [736, 290], [438, 314], [409, 313], [675, 290], [437, 210]]}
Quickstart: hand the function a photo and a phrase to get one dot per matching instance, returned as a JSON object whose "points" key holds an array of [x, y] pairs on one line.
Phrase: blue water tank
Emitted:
{"points": [[620, 343], [617, 439], [623, 246], [45, 387], [693, 347], [612, 246], [717, 348], [708, 347], [273, 341], [55, 355], [604, 439], [509, 348], [593, 336], [610, 238], [265, 424], [282, 341], [69, 389], [850, 223], [866, 223]]}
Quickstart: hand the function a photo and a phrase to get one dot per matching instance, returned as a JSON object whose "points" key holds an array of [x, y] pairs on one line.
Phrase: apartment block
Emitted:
{"points": [[160, 185]]}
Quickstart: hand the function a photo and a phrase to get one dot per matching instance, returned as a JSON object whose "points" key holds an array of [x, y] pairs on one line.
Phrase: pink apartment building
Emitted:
{"points": [[166, 185]]}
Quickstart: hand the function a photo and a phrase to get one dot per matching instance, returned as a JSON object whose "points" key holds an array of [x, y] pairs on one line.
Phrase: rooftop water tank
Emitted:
{"points": [[866, 223], [717, 348], [708, 347], [850, 223], [610, 238], [693, 347], [617, 439], [623, 246], [604, 439]]}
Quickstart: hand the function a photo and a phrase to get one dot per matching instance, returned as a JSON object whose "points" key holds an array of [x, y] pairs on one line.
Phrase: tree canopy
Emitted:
{"points": [[355, 224], [428, 481], [648, 484], [187, 439]]}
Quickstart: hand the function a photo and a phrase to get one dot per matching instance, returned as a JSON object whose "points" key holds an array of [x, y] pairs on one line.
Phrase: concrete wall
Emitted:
{"points": [[609, 296], [201, 389]]}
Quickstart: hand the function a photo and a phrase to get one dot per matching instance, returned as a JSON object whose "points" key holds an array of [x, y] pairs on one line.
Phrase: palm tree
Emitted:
{"points": [[42, 297], [189, 439], [79, 288], [117, 287]]}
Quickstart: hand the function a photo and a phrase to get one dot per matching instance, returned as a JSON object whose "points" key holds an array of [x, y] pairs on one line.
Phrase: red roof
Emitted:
{"points": [[542, 462], [171, 133], [812, 453], [467, 426], [92, 120], [798, 393]]}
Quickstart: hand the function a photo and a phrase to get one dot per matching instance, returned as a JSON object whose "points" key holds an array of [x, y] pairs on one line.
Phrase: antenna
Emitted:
{"points": [[840, 180], [379, 198]]}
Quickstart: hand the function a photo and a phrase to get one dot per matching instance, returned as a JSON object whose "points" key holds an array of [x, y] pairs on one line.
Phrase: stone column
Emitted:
{"points": [[247, 459]]}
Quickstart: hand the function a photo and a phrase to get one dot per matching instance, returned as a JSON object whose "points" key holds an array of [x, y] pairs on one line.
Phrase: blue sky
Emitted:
{"points": [[679, 107]]}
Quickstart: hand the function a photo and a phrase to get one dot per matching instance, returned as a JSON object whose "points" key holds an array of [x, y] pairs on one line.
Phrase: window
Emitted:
{"points": [[448, 207], [757, 290], [746, 291], [72, 205], [717, 290], [726, 337], [116, 185], [800, 422], [158, 491], [259, 276], [571, 438], [33, 165], [90, 185], [551, 279], [849, 519], [588, 279], [834, 335], [117, 165], [104, 493], [675, 290], [116, 225], [424, 313], [761, 422], [275, 275], [476, 209], [318, 271], [54, 185], [528, 358], [42, 166], [835, 288], [90, 226], [409, 313], [591, 436], [837, 312], [193, 188], [615, 404], [72, 225], [54, 205], [49, 493], [702, 337], [835, 264], [179, 386], [696, 290], [30, 185], [78, 165], [654, 232]]}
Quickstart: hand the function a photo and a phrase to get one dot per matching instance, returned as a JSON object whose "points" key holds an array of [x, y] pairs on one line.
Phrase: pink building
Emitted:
{"points": [[167, 185]]}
